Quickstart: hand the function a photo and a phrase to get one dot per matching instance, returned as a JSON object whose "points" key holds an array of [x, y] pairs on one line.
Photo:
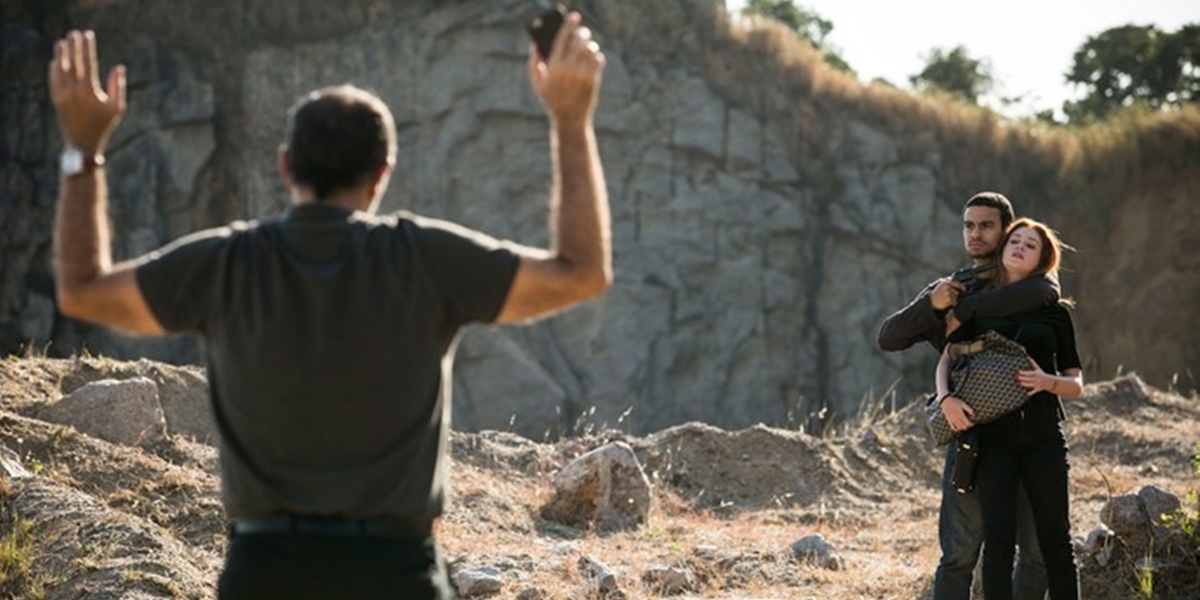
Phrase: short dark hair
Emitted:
{"points": [[997, 201], [338, 138]]}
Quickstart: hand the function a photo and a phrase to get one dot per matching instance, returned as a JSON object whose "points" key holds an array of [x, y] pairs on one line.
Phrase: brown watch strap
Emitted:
{"points": [[91, 162]]}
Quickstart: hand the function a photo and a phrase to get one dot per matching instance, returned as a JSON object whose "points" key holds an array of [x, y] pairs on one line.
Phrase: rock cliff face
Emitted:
{"points": [[767, 213]]}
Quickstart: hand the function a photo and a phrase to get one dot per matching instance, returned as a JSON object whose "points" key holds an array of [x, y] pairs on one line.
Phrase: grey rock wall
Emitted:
{"points": [[754, 257]]}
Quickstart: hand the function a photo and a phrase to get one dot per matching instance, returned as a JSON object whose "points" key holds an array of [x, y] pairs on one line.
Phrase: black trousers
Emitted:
{"points": [[296, 566], [1034, 453]]}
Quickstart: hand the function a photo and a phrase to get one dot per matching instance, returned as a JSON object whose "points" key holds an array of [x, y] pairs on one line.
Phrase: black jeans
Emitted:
{"points": [[1034, 454], [296, 566], [960, 534]]}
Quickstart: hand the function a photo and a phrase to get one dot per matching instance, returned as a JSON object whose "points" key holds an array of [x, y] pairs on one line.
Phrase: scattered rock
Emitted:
{"points": [[483, 581], [815, 550], [531, 594], [1097, 547], [10, 464], [669, 581], [599, 578]]}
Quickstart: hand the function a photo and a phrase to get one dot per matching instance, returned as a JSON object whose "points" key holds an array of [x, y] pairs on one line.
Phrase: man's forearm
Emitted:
{"points": [[81, 236], [580, 221], [87, 284], [914, 323], [578, 264]]}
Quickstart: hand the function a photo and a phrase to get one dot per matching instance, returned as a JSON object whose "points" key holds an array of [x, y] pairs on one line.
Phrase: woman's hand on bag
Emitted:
{"points": [[958, 413], [1034, 380]]}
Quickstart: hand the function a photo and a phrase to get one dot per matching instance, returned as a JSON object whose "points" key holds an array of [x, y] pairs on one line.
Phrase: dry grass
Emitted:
{"points": [[18, 578]]}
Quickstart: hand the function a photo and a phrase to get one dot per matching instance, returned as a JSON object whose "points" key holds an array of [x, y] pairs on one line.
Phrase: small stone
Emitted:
{"points": [[478, 582]]}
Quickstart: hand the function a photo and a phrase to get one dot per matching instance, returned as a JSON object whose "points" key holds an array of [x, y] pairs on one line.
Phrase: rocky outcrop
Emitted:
{"points": [[768, 213]]}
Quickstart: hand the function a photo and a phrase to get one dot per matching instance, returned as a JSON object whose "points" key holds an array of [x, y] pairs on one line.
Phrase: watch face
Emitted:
{"points": [[72, 161]]}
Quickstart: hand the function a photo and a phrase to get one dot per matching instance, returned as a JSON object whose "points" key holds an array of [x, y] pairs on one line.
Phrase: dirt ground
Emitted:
{"points": [[99, 520]]}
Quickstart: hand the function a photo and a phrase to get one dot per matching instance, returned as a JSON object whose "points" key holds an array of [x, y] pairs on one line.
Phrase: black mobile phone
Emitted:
{"points": [[544, 28]]}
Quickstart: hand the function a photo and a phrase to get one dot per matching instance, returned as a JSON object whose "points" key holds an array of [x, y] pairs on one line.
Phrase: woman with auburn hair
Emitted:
{"points": [[1026, 446]]}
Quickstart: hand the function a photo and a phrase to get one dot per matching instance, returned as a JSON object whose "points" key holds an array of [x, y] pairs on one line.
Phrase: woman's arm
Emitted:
{"points": [[1067, 385], [941, 378], [1018, 298], [1069, 382], [958, 413]]}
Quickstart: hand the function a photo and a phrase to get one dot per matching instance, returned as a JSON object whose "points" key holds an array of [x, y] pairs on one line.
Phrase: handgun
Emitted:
{"points": [[969, 276]]}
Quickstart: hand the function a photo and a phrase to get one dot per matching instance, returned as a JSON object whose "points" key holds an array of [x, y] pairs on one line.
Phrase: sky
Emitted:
{"points": [[1030, 43]]}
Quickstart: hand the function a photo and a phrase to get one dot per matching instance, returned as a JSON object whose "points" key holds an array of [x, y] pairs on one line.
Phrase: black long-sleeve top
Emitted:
{"points": [[1048, 335]]}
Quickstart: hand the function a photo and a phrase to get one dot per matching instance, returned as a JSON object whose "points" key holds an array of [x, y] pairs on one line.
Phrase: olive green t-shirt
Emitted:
{"points": [[329, 338]]}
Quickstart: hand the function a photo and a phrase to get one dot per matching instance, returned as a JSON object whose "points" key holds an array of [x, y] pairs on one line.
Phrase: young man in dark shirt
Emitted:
{"points": [[986, 215], [329, 329]]}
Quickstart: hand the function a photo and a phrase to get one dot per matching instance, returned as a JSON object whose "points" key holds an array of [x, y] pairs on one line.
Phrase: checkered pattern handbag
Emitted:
{"points": [[985, 377]]}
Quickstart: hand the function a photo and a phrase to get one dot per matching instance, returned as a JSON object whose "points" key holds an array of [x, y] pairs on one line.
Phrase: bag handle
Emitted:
{"points": [[965, 362]]}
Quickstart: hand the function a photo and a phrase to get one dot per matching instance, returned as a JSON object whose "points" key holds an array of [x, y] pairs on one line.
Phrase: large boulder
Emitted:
{"points": [[120, 411], [605, 488], [1137, 520], [182, 391]]}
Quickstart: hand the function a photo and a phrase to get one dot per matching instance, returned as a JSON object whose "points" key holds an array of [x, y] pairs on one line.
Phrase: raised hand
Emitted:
{"points": [[87, 114], [569, 81]]}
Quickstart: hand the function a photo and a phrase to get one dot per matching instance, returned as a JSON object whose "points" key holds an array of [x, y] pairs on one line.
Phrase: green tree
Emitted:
{"points": [[955, 72], [1135, 64], [805, 22]]}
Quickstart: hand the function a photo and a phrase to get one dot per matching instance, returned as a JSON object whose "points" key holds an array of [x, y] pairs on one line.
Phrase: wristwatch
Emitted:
{"points": [[74, 161]]}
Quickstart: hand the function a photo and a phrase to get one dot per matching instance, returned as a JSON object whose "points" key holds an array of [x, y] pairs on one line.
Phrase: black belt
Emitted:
{"points": [[289, 524]]}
